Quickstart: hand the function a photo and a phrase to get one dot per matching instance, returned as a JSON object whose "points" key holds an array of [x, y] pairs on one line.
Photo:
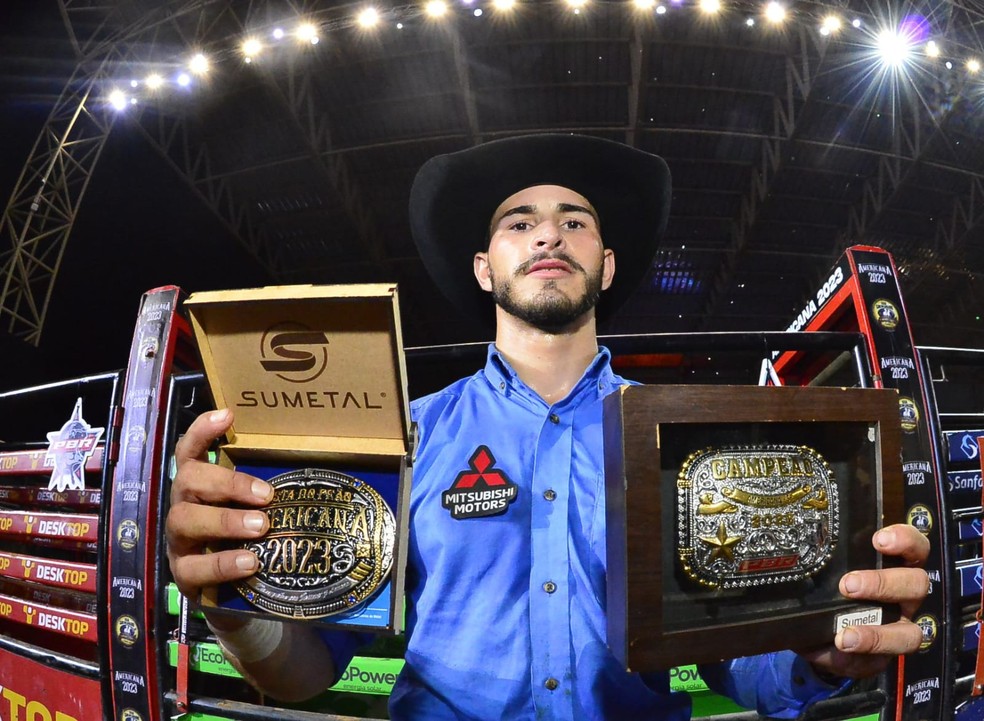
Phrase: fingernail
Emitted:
{"points": [[260, 489], [847, 639], [219, 416], [884, 539], [253, 521], [246, 561], [852, 583]]}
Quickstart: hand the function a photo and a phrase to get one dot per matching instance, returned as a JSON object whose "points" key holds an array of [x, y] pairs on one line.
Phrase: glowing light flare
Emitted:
{"points": [[507, 4], [710, 7], [117, 99], [154, 81], [307, 33], [278, 33], [644, 4], [251, 47], [894, 48], [660, 10], [973, 66], [183, 79], [577, 4], [368, 18], [830, 25], [436, 8], [199, 64], [775, 13], [932, 49]]}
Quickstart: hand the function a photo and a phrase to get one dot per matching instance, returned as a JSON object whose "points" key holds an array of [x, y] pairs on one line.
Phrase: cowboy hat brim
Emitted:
{"points": [[454, 196]]}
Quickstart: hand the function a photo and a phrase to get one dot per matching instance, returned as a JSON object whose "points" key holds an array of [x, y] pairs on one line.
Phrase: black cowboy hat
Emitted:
{"points": [[454, 196]]}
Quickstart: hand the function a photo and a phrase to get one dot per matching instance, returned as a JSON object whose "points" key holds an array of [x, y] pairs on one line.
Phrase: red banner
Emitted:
{"points": [[75, 527], [78, 576], [67, 623], [23, 462], [31, 691]]}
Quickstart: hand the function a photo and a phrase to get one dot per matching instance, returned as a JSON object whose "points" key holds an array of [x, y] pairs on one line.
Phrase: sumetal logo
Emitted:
{"points": [[294, 352]]}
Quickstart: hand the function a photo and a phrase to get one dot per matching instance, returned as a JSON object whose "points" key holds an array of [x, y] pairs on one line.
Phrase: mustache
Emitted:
{"points": [[524, 267]]}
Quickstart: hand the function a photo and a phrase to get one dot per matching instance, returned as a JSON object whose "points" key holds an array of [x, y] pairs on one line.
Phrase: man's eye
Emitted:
{"points": [[573, 224], [520, 225]]}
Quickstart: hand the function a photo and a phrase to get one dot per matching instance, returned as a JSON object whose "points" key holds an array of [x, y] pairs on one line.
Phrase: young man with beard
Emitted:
{"points": [[506, 614]]}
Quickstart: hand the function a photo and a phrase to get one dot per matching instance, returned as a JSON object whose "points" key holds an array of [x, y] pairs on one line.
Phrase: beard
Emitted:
{"points": [[549, 310]]}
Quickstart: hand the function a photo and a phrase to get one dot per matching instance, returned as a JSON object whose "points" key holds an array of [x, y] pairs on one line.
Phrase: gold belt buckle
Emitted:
{"points": [[330, 545], [755, 515]]}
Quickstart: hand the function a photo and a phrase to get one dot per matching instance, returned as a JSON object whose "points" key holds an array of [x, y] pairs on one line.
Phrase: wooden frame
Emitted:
{"points": [[657, 617]]}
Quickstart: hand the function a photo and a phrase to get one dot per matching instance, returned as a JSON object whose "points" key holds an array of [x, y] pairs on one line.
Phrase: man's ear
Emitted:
{"points": [[480, 264], [607, 268]]}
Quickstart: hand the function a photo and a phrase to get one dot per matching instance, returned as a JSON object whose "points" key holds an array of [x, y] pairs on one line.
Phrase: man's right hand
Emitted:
{"points": [[211, 503]]}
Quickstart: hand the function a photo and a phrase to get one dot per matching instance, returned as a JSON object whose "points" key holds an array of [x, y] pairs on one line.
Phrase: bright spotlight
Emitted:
{"points": [[577, 4], [932, 49], [199, 64], [368, 18], [251, 48], [184, 80], [117, 99], [710, 6], [436, 8], [775, 12], [507, 4], [973, 66], [307, 33], [661, 10], [856, 22], [645, 4], [894, 48], [134, 83], [154, 81], [750, 22], [278, 33], [830, 25]]}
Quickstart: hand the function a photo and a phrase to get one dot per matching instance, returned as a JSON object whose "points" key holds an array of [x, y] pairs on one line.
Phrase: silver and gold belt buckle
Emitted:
{"points": [[755, 515], [329, 548]]}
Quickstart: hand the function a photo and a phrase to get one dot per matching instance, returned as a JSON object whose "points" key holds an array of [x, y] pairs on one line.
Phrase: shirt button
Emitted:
{"points": [[554, 418], [551, 684], [550, 587], [550, 494], [502, 386]]}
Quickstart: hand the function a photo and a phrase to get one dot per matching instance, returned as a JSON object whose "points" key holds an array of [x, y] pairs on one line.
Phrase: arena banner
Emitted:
{"points": [[76, 576], [133, 509], [58, 620], [862, 294], [30, 691]]}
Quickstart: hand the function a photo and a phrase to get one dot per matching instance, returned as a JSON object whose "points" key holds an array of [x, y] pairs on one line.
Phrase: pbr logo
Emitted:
{"points": [[129, 714], [294, 352], [127, 630], [68, 450], [920, 517], [927, 624], [908, 414], [885, 314], [128, 534]]}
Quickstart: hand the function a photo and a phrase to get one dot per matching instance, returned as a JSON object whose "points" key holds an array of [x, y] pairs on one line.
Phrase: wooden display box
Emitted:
{"points": [[316, 378], [658, 614]]}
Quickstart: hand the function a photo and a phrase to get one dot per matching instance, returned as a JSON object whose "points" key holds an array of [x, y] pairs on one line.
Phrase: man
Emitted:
{"points": [[506, 607]]}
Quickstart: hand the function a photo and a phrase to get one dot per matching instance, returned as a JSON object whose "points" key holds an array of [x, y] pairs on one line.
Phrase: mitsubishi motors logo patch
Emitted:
{"points": [[480, 490]]}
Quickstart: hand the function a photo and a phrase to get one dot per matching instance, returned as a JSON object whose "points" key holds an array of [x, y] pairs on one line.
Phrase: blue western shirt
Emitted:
{"points": [[506, 612]]}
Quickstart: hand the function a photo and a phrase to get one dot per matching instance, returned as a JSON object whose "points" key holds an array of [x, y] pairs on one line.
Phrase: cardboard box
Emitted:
{"points": [[316, 378]]}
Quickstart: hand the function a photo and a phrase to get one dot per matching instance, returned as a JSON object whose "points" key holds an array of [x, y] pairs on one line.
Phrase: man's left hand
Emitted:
{"points": [[861, 651]]}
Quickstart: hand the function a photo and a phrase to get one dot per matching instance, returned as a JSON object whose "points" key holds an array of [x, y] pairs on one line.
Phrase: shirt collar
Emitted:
{"points": [[598, 375]]}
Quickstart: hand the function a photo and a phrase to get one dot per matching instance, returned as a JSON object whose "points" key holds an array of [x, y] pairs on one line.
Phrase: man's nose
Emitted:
{"points": [[547, 236]]}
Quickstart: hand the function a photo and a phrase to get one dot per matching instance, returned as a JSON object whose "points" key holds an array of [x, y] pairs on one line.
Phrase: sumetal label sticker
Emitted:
{"points": [[329, 548], [755, 515]]}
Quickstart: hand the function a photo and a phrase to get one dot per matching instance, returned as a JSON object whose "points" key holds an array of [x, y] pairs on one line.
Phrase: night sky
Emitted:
{"points": [[139, 227]]}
